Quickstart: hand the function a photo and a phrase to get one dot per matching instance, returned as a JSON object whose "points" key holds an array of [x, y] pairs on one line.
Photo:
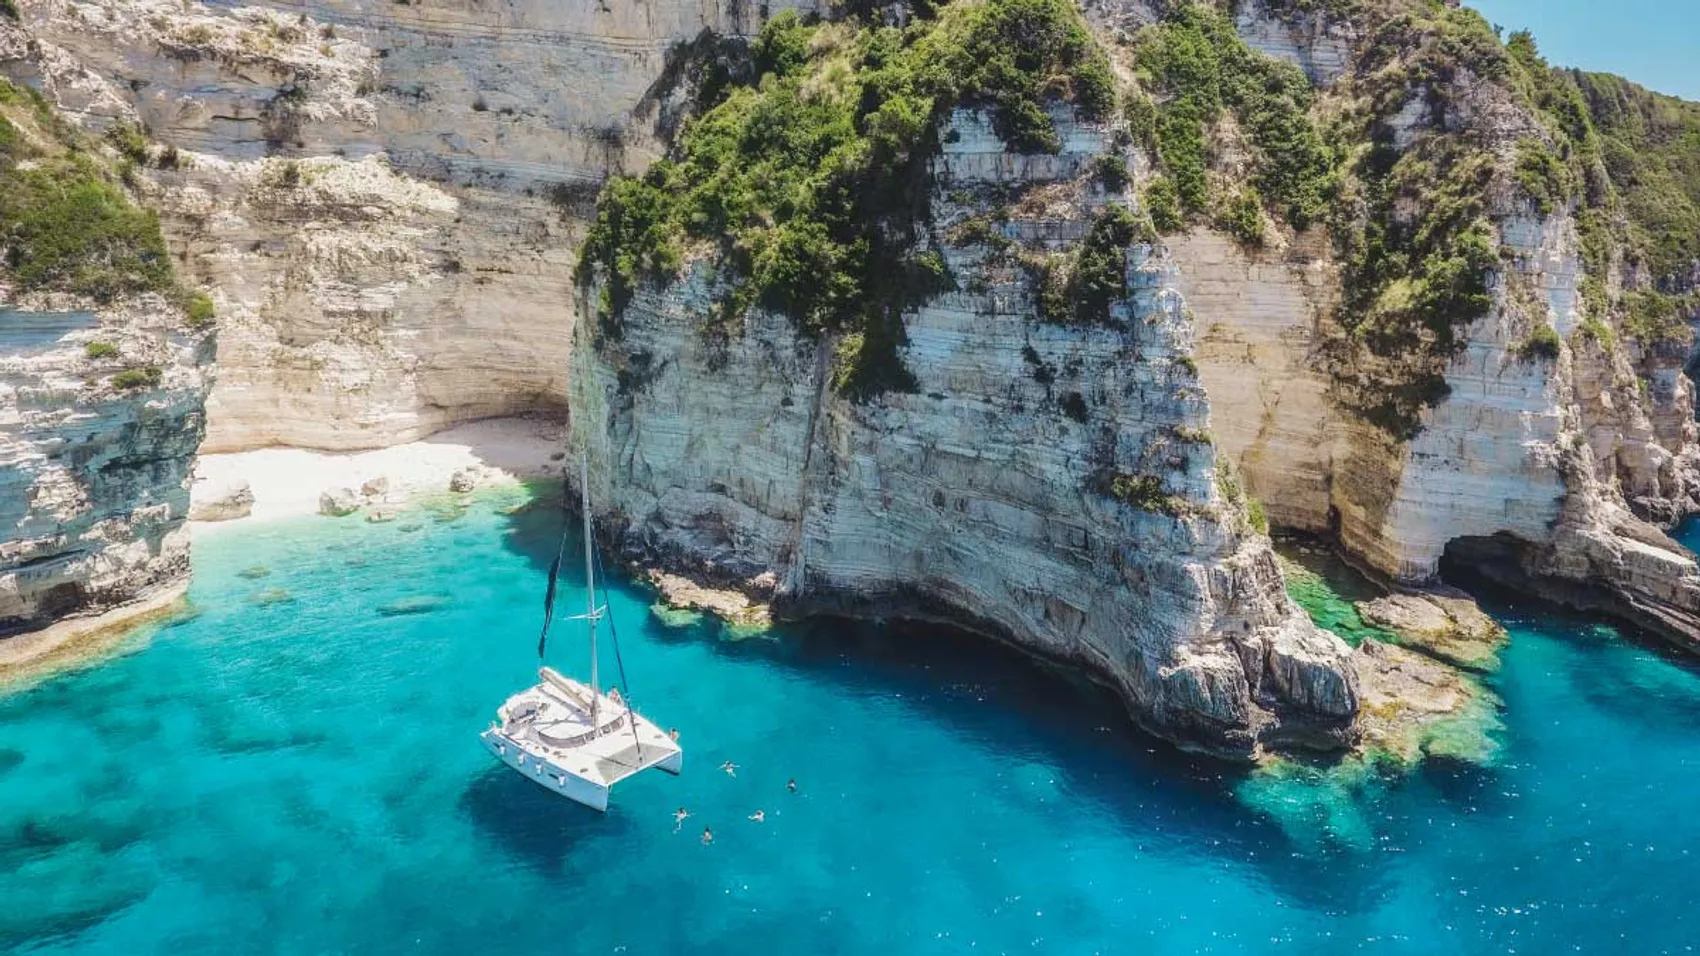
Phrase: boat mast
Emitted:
{"points": [[589, 582]]}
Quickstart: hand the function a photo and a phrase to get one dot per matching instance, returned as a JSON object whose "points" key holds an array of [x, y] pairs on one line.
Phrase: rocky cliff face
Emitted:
{"points": [[1556, 456], [981, 497], [386, 196], [94, 474]]}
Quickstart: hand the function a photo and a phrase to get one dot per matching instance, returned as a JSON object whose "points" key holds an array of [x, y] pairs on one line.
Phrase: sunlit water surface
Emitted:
{"points": [[293, 771]]}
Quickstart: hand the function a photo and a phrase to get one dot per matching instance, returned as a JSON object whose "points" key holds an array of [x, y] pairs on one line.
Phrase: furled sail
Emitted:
{"points": [[549, 604]]}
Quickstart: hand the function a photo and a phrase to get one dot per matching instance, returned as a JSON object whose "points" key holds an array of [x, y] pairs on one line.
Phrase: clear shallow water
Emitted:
{"points": [[300, 774]]}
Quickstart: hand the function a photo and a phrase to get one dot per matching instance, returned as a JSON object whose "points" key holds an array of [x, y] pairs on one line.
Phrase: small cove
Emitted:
{"points": [[290, 769]]}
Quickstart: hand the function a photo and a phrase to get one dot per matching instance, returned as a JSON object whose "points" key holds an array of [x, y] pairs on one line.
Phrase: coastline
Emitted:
{"points": [[287, 482], [75, 640]]}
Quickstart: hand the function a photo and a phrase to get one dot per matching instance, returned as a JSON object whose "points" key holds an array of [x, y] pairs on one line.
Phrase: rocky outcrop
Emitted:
{"points": [[94, 463], [981, 497], [1442, 623], [226, 501], [338, 502]]}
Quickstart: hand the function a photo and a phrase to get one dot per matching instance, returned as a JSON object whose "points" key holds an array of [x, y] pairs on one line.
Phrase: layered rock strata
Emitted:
{"points": [[977, 498], [385, 196], [1559, 455], [94, 476]]}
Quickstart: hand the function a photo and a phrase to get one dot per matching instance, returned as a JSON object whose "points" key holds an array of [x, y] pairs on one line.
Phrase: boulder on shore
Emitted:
{"points": [[464, 480], [221, 502], [375, 487], [337, 502]]}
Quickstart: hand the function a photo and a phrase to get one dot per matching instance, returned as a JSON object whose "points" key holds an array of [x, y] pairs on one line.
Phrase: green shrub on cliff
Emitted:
{"points": [[1628, 155], [1411, 228], [1200, 68], [198, 307], [809, 182], [1543, 343], [1163, 204], [1146, 493], [67, 228], [66, 223], [1099, 276], [137, 378]]}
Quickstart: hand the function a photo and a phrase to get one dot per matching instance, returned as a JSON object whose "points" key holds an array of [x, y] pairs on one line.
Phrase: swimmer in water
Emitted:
{"points": [[679, 818], [730, 768], [791, 785], [758, 816], [707, 836], [673, 733]]}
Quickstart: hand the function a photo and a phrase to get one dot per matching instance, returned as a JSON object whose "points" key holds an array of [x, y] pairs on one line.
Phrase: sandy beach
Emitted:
{"points": [[287, 482]]}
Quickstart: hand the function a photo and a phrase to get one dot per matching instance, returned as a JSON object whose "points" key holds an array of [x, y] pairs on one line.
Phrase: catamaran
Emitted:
{"points": [[570, 737]]}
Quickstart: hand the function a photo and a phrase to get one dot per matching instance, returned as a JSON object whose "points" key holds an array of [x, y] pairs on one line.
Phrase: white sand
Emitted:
{"points": [[288, 481]]}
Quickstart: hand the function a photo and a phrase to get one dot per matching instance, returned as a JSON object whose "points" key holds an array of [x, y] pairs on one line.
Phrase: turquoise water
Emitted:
{"points": [[291, 771]]}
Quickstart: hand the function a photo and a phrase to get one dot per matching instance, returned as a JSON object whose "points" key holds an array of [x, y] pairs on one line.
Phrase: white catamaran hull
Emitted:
{"points": [[563, 736], [545, 774], [552, 776]]}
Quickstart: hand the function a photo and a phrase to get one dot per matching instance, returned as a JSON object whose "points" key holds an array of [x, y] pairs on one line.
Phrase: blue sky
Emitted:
{"points": [[1654, 42]]}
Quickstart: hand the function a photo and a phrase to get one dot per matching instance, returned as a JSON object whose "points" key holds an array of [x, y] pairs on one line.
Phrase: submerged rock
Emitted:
{"points": [[1444, 623], [1415, 706], [337, 502], [270, 597], [418, 604], [683, 596], [254, 573], [676, 617]]}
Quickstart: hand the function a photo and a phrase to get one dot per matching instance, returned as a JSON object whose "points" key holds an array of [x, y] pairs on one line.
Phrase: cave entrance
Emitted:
{"points": [[1494, 560]]}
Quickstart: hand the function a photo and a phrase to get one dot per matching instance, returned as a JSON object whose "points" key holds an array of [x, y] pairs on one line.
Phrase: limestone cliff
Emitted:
{"points": [[386, 200], [980, 496], [386, 197], [104, 357], [1550, 452], [94, 472]]}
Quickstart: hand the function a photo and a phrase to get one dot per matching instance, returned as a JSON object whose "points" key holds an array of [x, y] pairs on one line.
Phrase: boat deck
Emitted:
{"points": [[553, 720]]}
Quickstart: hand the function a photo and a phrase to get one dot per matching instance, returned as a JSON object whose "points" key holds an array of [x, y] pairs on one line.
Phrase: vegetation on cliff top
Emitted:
{"points": [[1402, 172], [1629, 159], [66, 222], [1411, 225], [809, 177], [1200, 70]]}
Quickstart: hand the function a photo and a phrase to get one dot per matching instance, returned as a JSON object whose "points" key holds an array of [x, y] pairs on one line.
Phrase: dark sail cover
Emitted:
{"points": [[548, 605]]}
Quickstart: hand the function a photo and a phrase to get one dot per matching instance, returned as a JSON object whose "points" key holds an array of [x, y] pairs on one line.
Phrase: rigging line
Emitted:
{"points": [[619, 662]]}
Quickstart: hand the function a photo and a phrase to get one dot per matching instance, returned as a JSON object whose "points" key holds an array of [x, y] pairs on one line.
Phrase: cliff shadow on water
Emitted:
{"points": [[1618, 683], [1308, 826]]}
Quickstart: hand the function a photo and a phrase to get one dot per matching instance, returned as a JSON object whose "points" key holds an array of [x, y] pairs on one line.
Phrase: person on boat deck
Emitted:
{"points": [[614, 695], [707, 836]]}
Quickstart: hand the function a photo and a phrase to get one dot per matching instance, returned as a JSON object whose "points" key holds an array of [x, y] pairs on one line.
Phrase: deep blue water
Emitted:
{"points": [[291, 771]]}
